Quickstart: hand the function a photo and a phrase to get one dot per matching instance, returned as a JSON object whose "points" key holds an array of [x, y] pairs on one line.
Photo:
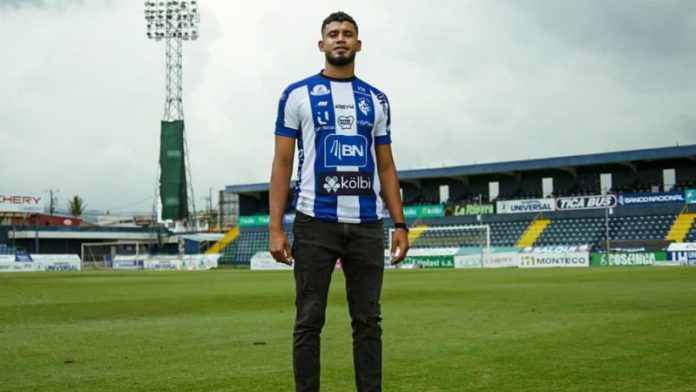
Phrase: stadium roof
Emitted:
{"points": [[618, 157]]}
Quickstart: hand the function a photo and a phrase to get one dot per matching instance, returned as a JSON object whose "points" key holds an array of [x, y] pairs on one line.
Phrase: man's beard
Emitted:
{"points": [[340, 60]]}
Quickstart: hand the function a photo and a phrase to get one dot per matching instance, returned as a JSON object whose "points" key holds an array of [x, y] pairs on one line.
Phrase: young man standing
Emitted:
{"points": [[342, 129]]}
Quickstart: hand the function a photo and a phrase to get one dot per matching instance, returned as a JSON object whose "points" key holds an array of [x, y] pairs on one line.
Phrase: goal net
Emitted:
{"points": [[98, 255], [461, 246]]}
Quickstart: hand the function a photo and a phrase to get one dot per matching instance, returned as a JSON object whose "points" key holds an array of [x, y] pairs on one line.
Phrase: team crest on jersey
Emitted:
{"points": [[364, 106], [319, 90]]}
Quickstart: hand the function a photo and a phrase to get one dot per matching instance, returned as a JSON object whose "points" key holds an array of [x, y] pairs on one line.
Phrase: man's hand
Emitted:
{"points": [[399, 246], [279, 246]]}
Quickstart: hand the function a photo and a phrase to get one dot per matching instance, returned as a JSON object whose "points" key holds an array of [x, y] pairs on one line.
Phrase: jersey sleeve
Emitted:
{"points": [[287, 121], [383, 123]]}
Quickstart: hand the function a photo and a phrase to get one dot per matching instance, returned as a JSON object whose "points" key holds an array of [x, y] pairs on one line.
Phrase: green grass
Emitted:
{"points": [[614, 329]]}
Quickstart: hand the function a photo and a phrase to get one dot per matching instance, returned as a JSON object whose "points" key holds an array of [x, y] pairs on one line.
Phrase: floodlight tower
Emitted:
{"points": [[173, 21]]}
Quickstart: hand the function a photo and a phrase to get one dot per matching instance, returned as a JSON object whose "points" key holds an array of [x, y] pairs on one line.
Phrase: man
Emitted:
{"points": [[342, 128]]}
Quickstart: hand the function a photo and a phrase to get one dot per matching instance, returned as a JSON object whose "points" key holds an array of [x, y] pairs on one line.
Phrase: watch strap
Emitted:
{"points": [[401, 225]]}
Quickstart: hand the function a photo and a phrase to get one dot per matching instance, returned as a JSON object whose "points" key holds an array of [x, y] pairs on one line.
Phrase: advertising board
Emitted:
{"points": [[254, 220], [22, 263], [21, 203], [437, 261], [133, 264], [264, 261], [682, 247], [187, 262], [585, 202], [644, 199], [508, 257], [529, 205], [690, 196], [627, 259], [470, 209], [504, 257], [469, 258], [556, 249], [548, 260], [681, 258], [428, 211]]}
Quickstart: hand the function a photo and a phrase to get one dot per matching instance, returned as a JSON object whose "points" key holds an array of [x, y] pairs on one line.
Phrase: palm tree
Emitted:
{"points": [[76, 206]]}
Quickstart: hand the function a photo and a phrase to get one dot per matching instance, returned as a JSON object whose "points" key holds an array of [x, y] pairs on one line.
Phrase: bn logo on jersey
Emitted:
{"points": [[345, 150]]}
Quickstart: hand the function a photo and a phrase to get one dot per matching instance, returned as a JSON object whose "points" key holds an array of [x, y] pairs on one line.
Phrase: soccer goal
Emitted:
{"points": [[469, 244], [99, 255]]}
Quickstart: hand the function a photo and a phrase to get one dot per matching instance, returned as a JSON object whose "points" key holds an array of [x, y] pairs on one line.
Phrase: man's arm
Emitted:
{"points": [[390, 191], [281, 171]]}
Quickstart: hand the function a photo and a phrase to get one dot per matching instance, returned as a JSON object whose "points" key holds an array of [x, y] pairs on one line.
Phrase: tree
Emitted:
{"points": [[76, 206]]}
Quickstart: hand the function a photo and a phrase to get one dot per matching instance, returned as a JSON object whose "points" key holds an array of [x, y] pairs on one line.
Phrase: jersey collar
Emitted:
{"points": [[321, 73]]}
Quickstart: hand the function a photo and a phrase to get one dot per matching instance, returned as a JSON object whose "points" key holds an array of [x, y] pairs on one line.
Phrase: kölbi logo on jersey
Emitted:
{"points": [[345, 150], [345, 184]]}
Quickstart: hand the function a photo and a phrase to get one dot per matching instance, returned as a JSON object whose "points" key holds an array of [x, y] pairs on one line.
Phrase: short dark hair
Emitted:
{"points": [[338, 16]]}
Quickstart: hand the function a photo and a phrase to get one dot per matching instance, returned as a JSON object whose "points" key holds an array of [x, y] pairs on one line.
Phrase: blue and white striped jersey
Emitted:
{"points": [[337, 123]]}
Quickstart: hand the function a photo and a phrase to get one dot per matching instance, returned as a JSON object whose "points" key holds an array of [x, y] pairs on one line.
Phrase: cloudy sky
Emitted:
{"points": [[82, 89]]}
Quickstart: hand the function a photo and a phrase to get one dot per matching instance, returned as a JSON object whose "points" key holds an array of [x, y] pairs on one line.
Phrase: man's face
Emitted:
{"points": [[340, 43]]}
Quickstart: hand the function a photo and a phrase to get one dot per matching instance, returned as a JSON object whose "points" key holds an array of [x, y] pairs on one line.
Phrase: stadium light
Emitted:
{"points": [[174, 21]]}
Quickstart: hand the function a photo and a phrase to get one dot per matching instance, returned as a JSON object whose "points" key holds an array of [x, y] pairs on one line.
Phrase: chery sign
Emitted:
{"points": [[21, 203]]}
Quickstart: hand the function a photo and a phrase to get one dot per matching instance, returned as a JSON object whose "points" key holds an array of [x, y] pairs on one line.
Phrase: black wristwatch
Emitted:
{"points": [[401, 225]]}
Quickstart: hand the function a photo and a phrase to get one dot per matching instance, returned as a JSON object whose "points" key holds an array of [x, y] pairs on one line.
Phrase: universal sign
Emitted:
{"points": [[529, 205]]}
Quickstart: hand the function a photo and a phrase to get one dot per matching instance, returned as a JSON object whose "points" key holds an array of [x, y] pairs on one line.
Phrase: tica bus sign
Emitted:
{"points": [[21, 203]]}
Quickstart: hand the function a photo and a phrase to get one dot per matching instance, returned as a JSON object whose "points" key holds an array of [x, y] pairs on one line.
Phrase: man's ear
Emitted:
{"points": [[320, 44], [359, 46]]}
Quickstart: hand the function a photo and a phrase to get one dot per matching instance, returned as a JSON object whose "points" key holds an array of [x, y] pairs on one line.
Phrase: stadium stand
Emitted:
{"points": [[471, 200], [691, 236], [6, 249], [249, 242]]}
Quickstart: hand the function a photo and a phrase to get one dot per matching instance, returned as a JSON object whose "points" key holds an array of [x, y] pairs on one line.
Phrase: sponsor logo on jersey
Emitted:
{"points": [[366, 124], [341, 106], [345, 184], [346, 122], [319, 90], [364, 106], [323, 118], [345, 150]]}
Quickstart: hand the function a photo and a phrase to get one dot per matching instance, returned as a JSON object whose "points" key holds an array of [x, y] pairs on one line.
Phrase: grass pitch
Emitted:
{"points": [[613, 329]]}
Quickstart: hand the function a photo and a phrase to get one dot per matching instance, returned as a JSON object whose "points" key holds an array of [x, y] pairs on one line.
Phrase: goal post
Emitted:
{"points": [[467, 245], [99, 255]]}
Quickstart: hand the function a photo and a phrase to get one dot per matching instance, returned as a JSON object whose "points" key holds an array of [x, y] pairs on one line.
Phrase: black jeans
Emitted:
{"points": [[316, 247]]}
